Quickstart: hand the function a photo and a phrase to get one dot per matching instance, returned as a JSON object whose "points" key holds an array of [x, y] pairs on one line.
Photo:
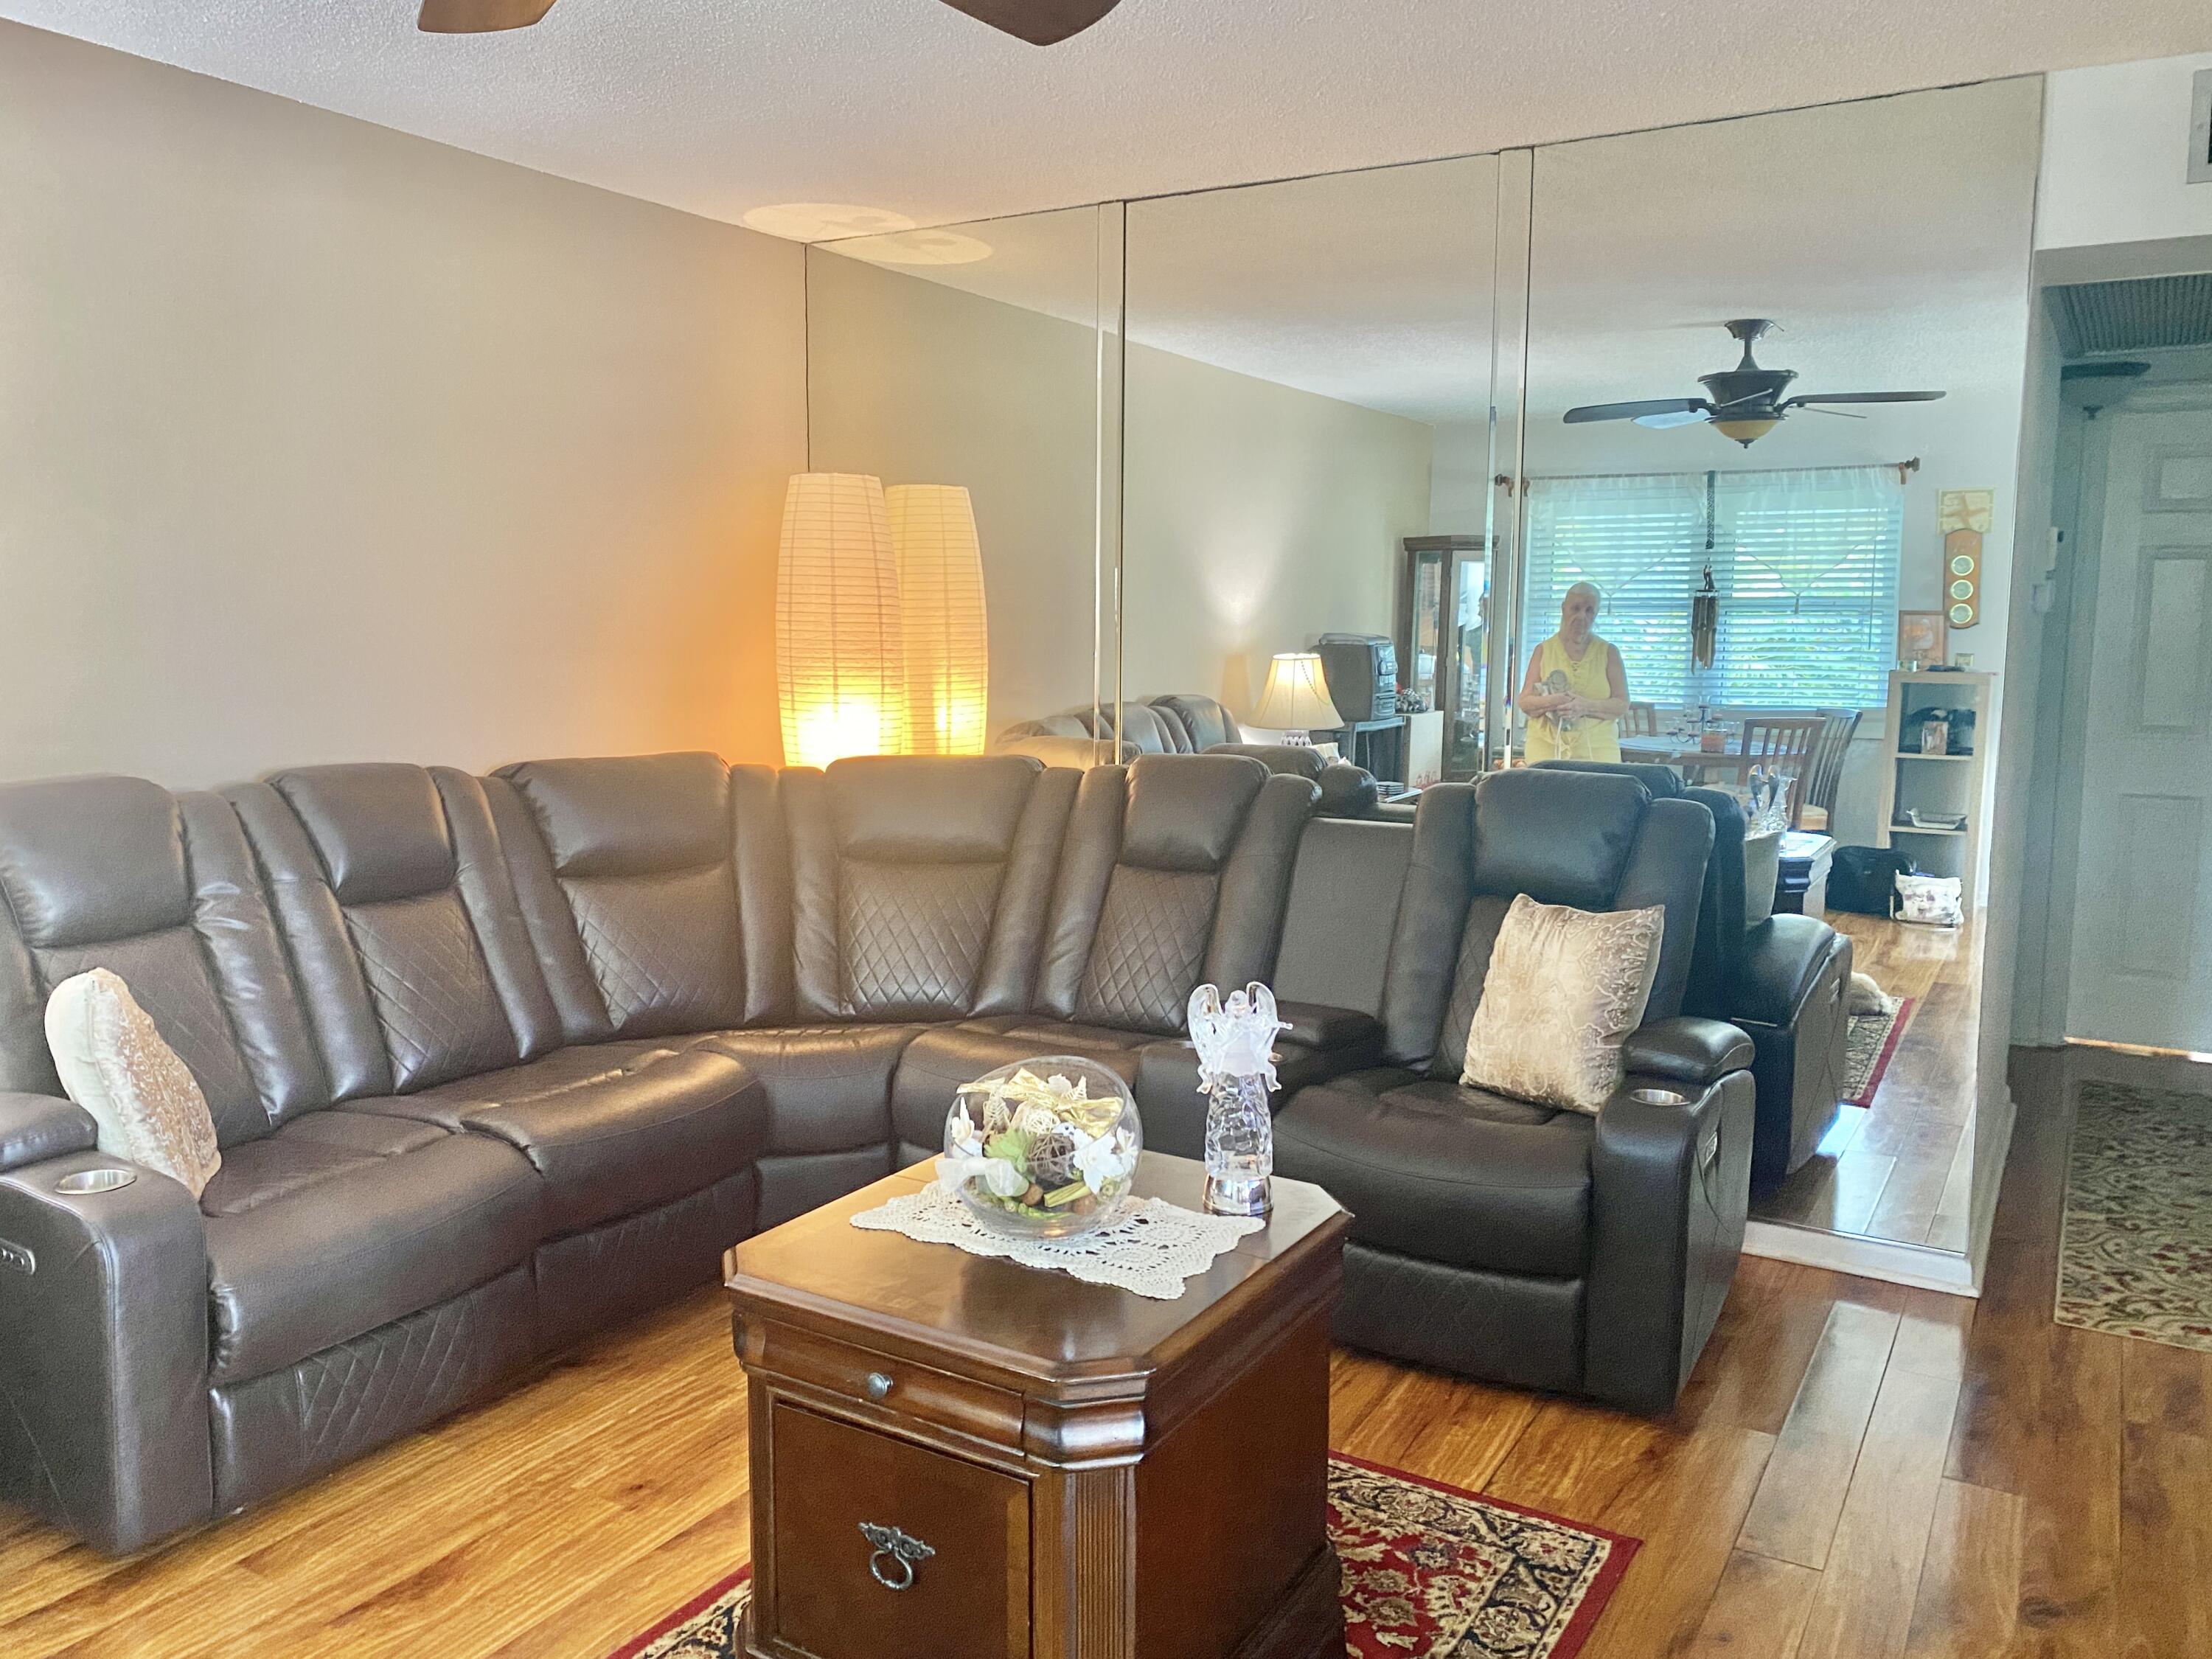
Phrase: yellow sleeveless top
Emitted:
{"points": [[1584, 738]]}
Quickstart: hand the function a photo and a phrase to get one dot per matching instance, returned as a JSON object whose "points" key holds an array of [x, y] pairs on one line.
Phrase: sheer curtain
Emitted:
{"points": [[1805, 563]]}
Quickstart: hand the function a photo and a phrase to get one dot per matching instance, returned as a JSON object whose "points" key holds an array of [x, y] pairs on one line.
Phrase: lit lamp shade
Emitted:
{"points": [[1296, 701], [948, 646], [840, 660]]}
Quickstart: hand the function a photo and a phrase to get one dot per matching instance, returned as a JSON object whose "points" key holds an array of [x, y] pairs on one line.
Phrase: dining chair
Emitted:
{"points": [[1824, 771], [1783, 744], [1642, 719]]}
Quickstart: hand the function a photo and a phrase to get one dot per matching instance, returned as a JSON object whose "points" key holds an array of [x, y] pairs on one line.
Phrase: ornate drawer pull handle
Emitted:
{"points": [[897, 1555], [878, 1387]]}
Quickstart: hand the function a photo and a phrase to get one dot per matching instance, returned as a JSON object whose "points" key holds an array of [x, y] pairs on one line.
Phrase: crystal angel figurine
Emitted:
{"points": [[1235, 1043]]}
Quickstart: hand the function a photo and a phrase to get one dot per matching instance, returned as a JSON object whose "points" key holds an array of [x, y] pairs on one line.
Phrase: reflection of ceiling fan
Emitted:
{"points": [[1040, 23], [1746, 403]]}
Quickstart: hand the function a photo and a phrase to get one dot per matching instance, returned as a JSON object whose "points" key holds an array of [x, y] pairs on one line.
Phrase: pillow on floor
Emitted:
{"points": [[114, 1064], [1565, 987]]}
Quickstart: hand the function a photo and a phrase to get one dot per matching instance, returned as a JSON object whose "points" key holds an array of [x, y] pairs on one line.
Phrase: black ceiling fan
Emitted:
{"points": [[1040, 23], [1745, 403]]}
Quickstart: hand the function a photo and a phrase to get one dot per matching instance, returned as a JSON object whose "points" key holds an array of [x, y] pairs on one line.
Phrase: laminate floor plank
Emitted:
{"points": [[1863, 1607], [2162, 1607], [1968, 1602], [1758, 1610], [1800, 1498]]}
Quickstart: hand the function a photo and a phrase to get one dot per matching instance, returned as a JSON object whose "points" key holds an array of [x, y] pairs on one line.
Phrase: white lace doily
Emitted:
{"points": [[1151, 1249]]}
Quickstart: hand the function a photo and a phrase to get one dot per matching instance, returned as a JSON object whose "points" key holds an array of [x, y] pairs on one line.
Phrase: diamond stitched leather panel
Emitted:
{"points": [[169, 977], [665, 949], [1151, 948], [914, 935], [362, 1393], [432, 991]]}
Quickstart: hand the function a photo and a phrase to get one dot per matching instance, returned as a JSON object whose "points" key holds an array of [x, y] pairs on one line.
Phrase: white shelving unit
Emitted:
{"points": [[1948, 783]]}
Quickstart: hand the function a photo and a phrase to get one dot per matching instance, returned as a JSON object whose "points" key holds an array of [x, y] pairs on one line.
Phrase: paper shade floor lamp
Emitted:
{"points": [[840, 654], [1296, 701], [948, 646]]}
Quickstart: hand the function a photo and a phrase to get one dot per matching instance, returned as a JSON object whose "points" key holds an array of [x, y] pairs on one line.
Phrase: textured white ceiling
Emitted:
{"points": [[1889, 238], [720, 106]]}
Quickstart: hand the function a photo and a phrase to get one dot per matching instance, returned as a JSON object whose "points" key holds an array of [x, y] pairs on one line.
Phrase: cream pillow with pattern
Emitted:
{"points": [[1564, 989], [114, 1064]]}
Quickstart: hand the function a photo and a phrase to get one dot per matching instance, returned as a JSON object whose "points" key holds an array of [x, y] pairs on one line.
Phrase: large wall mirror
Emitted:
{"points": [[1886, 243], [982, 356], [1278, 452], [1309, 449]]}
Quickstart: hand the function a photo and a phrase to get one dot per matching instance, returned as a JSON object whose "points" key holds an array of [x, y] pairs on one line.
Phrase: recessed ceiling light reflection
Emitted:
{"points": [[824, 221], [918, 247]]}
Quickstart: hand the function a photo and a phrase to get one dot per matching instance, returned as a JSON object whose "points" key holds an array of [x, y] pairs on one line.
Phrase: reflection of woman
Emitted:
{"points": [[1576, 690]]}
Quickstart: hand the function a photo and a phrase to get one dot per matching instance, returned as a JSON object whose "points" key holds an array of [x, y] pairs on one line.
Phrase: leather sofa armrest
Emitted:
{"points": [[1670, 1188], [35, 1127], [1781, 967], [104, 1353], [1348, 791], [1686, 1050], [1316, 1025]]}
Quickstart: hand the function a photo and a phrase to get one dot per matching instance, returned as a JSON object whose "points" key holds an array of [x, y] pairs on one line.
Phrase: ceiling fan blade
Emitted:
{"points": [[479, 17], [1864, 398], [1680, 417], [1040, 23], [1693, 407]]}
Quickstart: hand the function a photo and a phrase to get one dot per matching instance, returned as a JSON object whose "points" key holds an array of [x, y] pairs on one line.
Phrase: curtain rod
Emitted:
{"points": [[1898, 467]]}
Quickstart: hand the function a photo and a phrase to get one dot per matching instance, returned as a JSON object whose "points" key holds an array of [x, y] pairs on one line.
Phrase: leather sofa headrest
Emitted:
{"points": [[629, 814], [934, 810], [1562, 837], [87, 860], [1663, 781], [378, 828], [1185, 811]]}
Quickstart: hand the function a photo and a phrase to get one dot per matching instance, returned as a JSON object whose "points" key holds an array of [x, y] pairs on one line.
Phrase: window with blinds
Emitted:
{"points": [[1805, 562]]}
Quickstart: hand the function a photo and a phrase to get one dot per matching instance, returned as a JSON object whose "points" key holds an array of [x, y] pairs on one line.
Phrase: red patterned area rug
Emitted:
{"points": [[1430, 1572], [1869, 1044]]}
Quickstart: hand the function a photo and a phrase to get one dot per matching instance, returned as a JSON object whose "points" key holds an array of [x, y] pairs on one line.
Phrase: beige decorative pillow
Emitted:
{"points": [[1564, 989], [114, 1064]]}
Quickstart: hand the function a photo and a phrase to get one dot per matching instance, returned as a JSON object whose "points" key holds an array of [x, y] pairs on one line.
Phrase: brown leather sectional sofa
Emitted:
{"points": [[496, 1062]]}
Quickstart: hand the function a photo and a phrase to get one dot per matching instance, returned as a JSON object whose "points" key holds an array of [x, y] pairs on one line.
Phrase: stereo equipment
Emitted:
{"points": [[1361, 670]]}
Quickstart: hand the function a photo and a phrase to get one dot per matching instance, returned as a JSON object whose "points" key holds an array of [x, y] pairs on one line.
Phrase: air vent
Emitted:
{"points": [[2142, 315]]}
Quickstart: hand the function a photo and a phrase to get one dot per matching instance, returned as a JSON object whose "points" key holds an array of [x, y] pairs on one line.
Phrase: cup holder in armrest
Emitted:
{"points": [[86, 1182], [1658, 1097]]}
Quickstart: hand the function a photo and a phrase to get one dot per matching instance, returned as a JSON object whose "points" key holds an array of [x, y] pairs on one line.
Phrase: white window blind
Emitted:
{"points": [[1805, 562]]}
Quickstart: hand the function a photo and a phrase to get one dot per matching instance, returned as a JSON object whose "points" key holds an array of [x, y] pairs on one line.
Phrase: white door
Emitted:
{"points": [[2142, 968]]}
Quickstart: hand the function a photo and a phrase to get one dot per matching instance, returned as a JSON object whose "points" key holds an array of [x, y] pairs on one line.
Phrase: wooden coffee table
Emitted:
{"points": [[1093, 1474]]}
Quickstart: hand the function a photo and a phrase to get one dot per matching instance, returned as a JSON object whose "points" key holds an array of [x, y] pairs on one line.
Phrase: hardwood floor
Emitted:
{"points": [[1902, 1168], [1856, 1469]]}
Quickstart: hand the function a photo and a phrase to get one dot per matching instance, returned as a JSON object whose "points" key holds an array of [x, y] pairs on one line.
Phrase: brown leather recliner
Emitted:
{"points": [[1516, 1242], [497, 1062], [1783, 980]]}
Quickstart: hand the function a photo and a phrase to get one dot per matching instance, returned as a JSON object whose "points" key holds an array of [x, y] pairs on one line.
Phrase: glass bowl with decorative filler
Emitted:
{"points": [[1045, 1148]]}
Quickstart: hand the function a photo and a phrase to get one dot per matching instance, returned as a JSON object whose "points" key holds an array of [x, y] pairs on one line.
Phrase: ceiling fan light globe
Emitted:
{"points": [[1749, 431]]}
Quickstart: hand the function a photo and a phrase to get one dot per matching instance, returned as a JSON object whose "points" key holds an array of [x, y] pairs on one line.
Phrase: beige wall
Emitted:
{"points": [[1257, 517], [318, 442], [917, 382]]}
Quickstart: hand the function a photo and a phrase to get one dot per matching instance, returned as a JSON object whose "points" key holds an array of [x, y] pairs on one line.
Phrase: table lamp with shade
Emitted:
{"points": [[1296, 701]]}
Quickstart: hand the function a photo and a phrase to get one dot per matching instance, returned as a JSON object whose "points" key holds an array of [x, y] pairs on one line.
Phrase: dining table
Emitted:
{"points": [[1696, 764]]}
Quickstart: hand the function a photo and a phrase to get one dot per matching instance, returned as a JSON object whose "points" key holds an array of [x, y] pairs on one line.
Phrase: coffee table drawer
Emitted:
{"points": [[916, 1391], [883, 1546]]}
